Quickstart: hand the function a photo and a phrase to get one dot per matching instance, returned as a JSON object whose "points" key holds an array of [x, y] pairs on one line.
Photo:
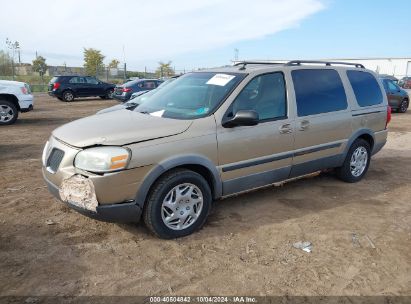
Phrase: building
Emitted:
{"points": [[397, 67]]}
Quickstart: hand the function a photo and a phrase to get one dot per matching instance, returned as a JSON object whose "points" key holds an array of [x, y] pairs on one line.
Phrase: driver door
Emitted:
{"points": [[254, 156]]}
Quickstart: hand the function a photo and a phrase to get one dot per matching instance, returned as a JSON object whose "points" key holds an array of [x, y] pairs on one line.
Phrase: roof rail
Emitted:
{"points": [[327, 63], [244, 63]]}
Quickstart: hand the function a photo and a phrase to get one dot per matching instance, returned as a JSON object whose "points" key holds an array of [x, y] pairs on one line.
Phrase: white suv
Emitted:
{"points": [[15, 97]]}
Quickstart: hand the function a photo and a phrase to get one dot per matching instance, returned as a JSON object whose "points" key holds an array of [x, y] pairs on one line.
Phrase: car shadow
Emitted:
{"points": [[295, 199]]}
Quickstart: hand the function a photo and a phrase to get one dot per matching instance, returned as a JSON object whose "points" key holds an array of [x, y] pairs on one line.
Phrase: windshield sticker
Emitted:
{"points": [[220, 79], [158, 113]]}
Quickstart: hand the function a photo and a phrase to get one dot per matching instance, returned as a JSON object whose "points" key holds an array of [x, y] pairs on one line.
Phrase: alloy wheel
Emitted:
{"points": [[6, 113], [359, 160]]}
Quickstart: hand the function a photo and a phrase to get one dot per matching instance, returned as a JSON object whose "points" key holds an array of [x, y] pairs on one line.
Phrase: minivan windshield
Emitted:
{"points": [[191, 96]]}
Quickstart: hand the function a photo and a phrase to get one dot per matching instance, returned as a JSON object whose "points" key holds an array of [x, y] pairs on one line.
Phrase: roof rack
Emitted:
{"points": [[244, 63], [327, 63]]}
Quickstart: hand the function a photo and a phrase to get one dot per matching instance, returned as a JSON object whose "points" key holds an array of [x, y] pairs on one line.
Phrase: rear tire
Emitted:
{"points": [[356, 162], [8, 113], [403, 106], [68, 96], [178, 204], [109, 95]]}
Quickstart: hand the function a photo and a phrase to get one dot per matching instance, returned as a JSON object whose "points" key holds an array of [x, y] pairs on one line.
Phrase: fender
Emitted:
{"points": [[355, 135], [180, 160]]}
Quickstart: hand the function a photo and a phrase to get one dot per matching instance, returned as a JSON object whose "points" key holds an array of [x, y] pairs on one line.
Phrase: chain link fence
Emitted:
{"points": [[39, 82]]}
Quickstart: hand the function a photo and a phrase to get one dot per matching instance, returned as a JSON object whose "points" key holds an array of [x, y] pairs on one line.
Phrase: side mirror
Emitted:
{"points": [[242, 118]]}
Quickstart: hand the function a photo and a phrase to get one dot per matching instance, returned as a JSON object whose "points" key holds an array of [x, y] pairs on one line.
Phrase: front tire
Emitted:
{"points": [[68, 96], [178, 204], [8, 113], [403, 106], [356, 162]]}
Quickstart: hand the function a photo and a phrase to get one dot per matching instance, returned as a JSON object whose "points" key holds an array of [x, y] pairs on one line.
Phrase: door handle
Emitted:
{"points": [[286, 129], [304, 125]]}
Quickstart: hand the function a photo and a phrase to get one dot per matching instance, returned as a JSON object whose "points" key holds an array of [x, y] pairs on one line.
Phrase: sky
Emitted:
{"points": [[205, 33]]}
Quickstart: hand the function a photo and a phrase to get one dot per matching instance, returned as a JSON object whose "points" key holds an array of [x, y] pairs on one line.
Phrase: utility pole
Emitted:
{"points": [[236, 51], [125, 71]]}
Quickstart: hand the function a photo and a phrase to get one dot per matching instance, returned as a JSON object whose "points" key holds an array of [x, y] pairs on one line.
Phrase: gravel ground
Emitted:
{"points": [[244, 248]]}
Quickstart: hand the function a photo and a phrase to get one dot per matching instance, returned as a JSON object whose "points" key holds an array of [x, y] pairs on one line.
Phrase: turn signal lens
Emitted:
{"points": [[118, 162]]}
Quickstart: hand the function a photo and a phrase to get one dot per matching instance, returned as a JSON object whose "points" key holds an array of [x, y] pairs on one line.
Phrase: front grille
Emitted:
{"points": [[54, 160]]}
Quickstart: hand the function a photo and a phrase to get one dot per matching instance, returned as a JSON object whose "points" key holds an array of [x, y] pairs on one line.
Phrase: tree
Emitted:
{"points": [[5, 64], [164, 69], [93, 61], [114, 64], [39, 65]]}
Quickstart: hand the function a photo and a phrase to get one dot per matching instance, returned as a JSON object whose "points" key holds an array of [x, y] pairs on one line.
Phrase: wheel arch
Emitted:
{"points": [[366, 134], [196, 163], [12, 98]]}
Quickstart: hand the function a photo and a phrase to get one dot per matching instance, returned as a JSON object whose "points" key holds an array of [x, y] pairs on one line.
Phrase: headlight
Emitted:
{"points": [[102, 159]]}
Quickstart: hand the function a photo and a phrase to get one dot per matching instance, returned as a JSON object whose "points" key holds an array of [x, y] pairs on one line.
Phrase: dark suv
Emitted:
{"points": [[398, 98], [124, 92], [69, 87]]}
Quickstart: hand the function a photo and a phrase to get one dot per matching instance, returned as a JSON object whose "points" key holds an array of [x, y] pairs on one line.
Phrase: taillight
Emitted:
{"points": [[126, 89], [56, 85], [388, 116], [24, 90]]}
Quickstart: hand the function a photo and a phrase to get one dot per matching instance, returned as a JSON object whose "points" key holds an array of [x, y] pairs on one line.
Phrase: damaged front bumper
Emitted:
{"points": [[78, 193]]}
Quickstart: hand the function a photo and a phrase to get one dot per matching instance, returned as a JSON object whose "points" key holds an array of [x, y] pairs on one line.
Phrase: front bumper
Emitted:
{"points": [[128, 212]]}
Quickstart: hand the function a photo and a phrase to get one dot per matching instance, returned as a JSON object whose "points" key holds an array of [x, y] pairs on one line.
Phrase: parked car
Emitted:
{"points": [[15, 97], [123, 92], [136, 98], [131, 104], [214, 133], [67, 88], [405, 83], [390, 77], [398, 98]]}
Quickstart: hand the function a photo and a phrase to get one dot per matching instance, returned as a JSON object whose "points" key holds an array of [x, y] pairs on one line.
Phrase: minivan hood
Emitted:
{"points": [[118, 128]]}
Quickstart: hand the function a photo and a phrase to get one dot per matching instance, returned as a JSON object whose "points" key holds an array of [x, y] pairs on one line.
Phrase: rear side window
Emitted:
{"points": [[318, 91], [366, 88]]}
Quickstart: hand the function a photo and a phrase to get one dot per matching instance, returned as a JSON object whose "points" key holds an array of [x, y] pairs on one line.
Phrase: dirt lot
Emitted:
{"points": [[244, 248]]}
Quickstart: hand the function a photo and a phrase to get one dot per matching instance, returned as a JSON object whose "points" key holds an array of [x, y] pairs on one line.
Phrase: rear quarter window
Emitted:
{"points": [[365, 87], [318, 91]]}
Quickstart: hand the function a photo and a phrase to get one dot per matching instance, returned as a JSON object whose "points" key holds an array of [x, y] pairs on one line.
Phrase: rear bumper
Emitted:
{"points": [[30, 108], [26, 103], [380, 139], [127, 212], [122, 98], [54, 93]]}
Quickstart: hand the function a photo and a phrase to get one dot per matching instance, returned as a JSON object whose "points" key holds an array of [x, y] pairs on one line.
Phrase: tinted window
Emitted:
{"points": [[392, 86], [77, 80], [318, 91], [264, 94], [366, 88], [149, 85], [91, 80]]}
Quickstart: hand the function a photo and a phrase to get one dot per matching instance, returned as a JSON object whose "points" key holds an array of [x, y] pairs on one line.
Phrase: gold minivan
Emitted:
{"points": [[213, 133]]}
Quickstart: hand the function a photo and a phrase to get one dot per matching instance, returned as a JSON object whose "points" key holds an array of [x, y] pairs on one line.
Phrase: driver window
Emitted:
{"points": [[392, 86], [264, 94]]}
